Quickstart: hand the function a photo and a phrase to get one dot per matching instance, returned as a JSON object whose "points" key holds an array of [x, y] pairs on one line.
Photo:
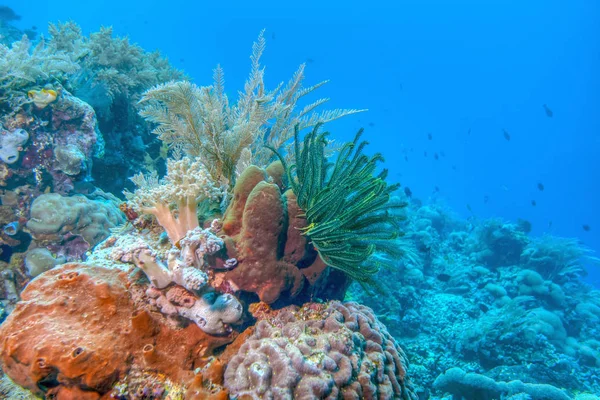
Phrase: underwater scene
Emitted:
{"points": [[313, 200]]}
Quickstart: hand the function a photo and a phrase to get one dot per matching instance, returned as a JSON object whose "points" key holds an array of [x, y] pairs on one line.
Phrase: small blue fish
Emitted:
{"points": [[12, 228]]}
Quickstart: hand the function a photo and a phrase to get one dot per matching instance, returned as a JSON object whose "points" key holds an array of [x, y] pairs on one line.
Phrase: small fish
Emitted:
{"points": [[163, 238], [505, 188], [408, 192], [435, 155], [371, 124], [406, 158], [181, 60], [524, 225], [469, 208], [585, 227], [273, 35], [436, 189], [469, 132], [442, 153], [444, 277], [454, 167], [533, 203], [86, 187], [486, 198], [30, 33], [540, 186], [506, 135], [549, 224], [11, 229], [549, 112], [34, 28], [429, 136], [401, 87], [309, 60], [425, 153]]}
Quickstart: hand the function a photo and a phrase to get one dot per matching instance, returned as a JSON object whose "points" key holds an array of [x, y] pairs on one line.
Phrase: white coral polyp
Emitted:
{"points": [[187, 182]]}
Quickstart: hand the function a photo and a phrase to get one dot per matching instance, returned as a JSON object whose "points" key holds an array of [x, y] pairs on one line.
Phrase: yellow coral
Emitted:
{"points": [[41, 98]]}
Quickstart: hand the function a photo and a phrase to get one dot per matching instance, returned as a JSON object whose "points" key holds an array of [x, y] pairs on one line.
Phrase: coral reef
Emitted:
{"points": [[225, 277], [108, 73], [487, 299], [112, 75]]}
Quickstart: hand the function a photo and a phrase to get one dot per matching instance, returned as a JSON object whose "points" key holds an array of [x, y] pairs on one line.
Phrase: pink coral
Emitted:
{"points": [[324, 351]]}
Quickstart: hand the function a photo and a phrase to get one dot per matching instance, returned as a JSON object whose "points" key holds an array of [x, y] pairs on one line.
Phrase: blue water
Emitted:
{"points": [[420, 67]]}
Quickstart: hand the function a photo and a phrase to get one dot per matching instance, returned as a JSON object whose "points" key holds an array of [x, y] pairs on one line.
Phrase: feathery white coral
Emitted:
{"points": [[23, 65], [201, 121]]}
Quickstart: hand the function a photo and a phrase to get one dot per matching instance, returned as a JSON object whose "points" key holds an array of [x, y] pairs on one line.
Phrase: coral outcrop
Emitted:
{"points": [[151, 308], [474, 386], [57, 143], [320, 351]]}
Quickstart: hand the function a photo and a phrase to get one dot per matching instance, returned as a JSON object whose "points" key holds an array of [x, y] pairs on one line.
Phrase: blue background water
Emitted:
{"points": [[420, 67]]}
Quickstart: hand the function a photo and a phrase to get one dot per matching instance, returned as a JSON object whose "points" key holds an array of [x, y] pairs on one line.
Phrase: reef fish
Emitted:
{"points": [[549, 112], [506, 135]]}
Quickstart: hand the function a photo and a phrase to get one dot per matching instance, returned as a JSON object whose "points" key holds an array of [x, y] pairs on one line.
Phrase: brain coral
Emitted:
{"points": [[321, 351]]}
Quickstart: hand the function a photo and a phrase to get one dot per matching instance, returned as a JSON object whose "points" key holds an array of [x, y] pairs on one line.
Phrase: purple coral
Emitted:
{"points": [[325, 351]]}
